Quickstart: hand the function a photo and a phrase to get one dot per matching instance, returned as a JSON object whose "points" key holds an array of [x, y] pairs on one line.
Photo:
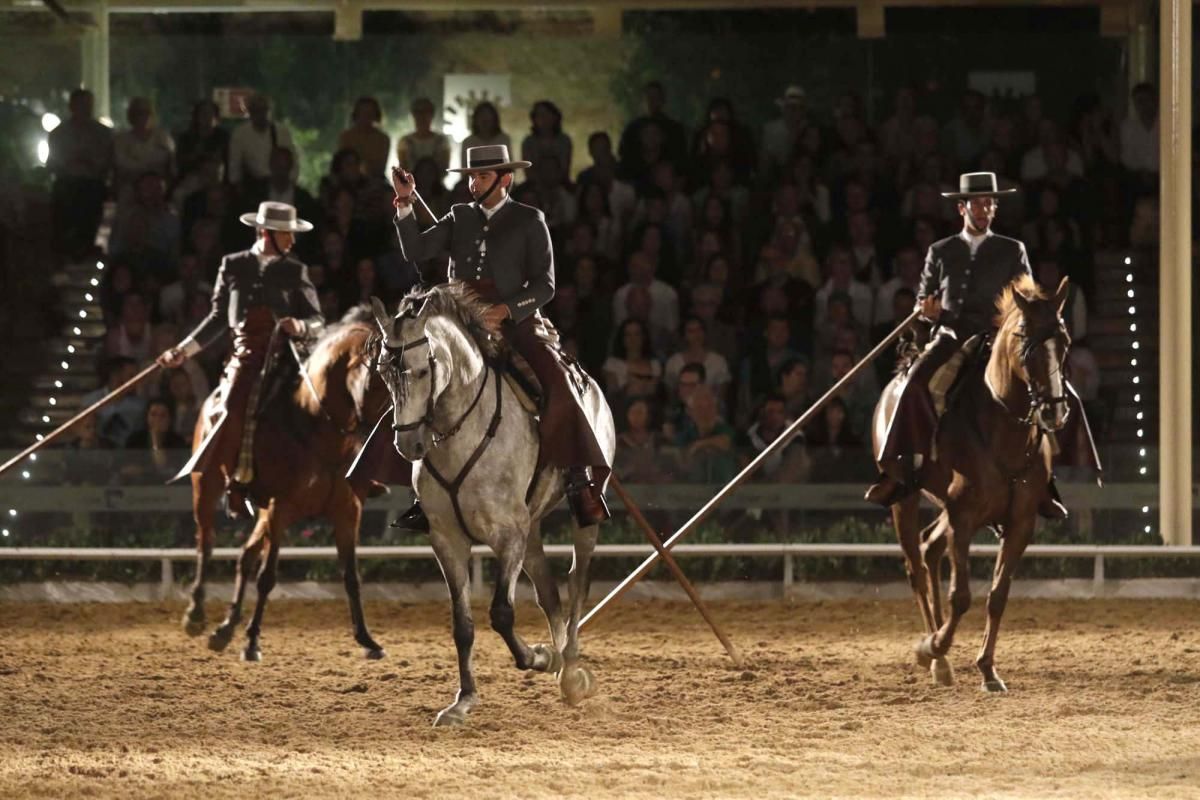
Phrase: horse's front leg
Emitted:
{"points": [[454, 557], [576, 681], [277, 523], [1017, 535], [511, 555], [937, 644], [219, 639], [206, 492]]}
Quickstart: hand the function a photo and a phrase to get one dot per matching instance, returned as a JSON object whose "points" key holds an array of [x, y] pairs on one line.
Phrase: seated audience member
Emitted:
{"points": [[155, 453], [762, 362], [632, 370], [130, 338], [794, 387], [546, 139], [181, 390], [906, 274], [705, 441], [90, 460], [665, 299], [174, 297], [836, 450], [695, 350], [640, 305], [121, 418], [1075, 311], [721, 336], [787, 464], [903, 302], [639, 457], [859, 396], [840, 267], [146, 231]]}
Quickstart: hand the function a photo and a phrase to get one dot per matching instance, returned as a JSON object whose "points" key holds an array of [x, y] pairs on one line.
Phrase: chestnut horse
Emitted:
{"points": [[990, 467], [306, 438]]}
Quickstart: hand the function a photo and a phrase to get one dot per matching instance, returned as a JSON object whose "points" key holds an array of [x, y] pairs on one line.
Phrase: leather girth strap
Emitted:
{"points": [[451, 487]]}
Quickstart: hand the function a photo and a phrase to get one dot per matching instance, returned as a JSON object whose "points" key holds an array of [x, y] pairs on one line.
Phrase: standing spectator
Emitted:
{"points": [[724, 140], [250, 148], [424, 141], [1139, 137], [365, 138], [143, 148], [80, 159], [203, 140], [695, 350], [485, 129], [637, 147], [705, 441], [121, 418], [546, 139], [781, 137]]}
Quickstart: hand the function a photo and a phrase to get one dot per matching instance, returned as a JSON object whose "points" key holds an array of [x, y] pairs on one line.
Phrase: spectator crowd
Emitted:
{"points": [[715, 277]]}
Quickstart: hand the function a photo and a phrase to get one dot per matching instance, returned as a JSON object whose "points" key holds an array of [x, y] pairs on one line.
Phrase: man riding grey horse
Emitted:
{"points": [[501, 249], [963, 277]]}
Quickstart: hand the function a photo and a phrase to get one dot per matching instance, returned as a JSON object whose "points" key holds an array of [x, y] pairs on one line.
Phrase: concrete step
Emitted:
{"points": [[57, 399], [69, 381]]}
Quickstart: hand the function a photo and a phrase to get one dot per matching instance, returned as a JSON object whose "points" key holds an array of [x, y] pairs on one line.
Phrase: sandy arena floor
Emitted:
{"points": [[116, 701]]}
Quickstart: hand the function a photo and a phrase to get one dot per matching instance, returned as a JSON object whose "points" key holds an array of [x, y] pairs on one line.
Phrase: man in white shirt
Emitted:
{"points": [[840, 265], [1139, 132], [664, 298], [780, 136], [251, 145]]}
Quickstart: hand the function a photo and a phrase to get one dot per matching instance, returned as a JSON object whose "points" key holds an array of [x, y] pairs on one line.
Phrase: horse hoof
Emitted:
{"points": [[943, 673], [551, 658], [193, 627], [920, 651], [577, 683], [252, 654], [219, 639], [451, 717], [994, 686], [373, 653]]}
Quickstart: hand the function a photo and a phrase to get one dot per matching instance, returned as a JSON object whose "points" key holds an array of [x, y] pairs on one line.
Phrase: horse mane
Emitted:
{"points": [[1006, 303], [334, 345], [461, 303]]}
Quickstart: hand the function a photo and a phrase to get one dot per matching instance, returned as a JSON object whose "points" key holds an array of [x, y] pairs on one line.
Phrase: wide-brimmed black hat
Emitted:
{"points": [[976, 184], [489, 158]]}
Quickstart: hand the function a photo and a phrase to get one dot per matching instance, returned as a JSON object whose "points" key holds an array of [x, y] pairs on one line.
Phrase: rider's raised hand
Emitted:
{"points": [[404, 184], [171, 358]]}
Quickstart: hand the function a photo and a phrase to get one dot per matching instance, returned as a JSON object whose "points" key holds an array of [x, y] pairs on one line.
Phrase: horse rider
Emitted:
{"points": [[260, 293], [501, 249], [964, 276]]}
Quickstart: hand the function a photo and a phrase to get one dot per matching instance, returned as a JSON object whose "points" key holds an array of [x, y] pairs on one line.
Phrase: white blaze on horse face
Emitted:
{"points": [[1055, 360]]}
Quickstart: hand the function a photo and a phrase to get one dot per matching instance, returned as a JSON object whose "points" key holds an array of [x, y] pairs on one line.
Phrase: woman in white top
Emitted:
{"points": [[632, 370], [485, 129], [143, 148], [694, 336]]}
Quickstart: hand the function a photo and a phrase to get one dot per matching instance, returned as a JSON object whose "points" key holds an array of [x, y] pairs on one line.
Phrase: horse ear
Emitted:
{"points": [[1022, 301], [1060, 296], [381, 316]]}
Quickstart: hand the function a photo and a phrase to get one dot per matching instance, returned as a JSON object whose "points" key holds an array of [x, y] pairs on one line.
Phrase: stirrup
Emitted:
{"points": [[588, 505], [412, 520], [237, 501]]}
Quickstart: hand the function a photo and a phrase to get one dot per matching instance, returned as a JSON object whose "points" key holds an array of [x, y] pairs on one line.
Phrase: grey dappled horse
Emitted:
{"points": [[475, 454]]}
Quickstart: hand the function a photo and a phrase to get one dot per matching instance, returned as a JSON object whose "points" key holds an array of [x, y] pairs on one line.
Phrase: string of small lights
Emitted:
{"points": [[65, 366], [1139, 415]]}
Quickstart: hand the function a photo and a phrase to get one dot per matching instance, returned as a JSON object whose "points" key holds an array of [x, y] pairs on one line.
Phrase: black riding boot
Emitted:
{"points": [[889, 490], [1051, 505], [413, 520], [585, 498]]}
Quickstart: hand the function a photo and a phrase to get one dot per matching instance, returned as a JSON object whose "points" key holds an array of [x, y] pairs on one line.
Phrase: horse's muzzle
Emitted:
{"points": [[410, 444]]}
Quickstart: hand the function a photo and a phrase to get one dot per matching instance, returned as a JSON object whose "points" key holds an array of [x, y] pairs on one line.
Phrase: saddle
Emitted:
{"points": [[946, 384], [521, 378]]}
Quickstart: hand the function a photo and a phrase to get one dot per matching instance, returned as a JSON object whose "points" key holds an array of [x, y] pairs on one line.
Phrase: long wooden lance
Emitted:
{"points": [[92, 409], [780, 442]]}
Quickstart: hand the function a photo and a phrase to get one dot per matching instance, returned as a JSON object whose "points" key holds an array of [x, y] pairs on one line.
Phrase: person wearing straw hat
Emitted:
{"points": [[963, 277], [501, 249], [259, 294]]}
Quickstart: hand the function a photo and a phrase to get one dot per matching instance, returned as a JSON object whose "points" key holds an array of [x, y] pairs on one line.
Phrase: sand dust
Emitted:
{"points": [[104, 700]]}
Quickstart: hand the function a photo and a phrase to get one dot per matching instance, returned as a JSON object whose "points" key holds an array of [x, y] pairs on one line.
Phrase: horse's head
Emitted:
{"points": [[1035, 341], [424, 354]]}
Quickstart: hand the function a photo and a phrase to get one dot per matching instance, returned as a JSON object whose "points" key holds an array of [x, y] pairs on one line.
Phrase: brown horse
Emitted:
{"points": [[304, 443], [990, 467]]}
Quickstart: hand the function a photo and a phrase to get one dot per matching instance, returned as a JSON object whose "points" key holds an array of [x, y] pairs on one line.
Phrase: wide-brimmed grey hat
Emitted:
{"points": [[276, 217], [489, 158], [792, 96], [977, 184]]}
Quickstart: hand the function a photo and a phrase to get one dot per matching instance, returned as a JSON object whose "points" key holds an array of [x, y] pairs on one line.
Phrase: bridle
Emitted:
{"points": [[397, 352], [1040, 399]]}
